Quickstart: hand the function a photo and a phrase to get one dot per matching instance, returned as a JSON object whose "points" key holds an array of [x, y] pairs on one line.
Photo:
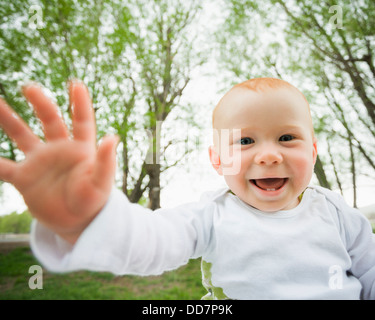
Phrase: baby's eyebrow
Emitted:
{"points": [[239, 132], [257, 129], [293, 128]]}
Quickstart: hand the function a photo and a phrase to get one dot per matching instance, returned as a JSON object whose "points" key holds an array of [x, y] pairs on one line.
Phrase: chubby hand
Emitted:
{"points": [[65, 181]]}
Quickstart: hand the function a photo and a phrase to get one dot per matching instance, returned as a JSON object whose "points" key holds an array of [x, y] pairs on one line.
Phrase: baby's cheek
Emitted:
{"points": [[232, 162], [303, 169]]}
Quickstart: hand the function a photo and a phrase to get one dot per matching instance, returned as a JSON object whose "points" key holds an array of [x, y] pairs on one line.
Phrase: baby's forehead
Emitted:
{"points": [[239, 99]]}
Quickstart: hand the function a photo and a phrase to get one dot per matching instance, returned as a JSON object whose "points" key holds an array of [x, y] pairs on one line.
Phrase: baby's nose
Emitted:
{"points": [[268, 156]]}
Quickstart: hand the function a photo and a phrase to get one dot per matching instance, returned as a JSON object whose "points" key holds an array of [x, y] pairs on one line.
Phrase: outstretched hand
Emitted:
{"points": [[65, 181]]}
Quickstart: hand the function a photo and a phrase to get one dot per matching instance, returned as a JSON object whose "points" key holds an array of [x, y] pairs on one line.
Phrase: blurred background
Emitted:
{"points": [[156, 69]]}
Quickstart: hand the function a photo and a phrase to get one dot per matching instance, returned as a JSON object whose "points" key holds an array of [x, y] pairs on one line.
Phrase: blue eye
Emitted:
{"points": [[286, 137], [246, 141]]}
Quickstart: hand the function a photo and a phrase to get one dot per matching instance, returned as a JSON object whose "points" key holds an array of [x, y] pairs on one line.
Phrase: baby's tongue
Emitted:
{"points": [[271, 183]]}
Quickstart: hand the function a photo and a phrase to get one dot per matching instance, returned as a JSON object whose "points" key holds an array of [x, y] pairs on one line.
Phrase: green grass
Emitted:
{"points": [[184, 283]]}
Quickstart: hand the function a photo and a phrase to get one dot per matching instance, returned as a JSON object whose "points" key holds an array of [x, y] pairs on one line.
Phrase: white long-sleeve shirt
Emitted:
{"points": [[322, 249]]}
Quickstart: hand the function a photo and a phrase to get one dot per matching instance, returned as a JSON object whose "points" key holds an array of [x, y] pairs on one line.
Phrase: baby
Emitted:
{"points": [[269, 235]]}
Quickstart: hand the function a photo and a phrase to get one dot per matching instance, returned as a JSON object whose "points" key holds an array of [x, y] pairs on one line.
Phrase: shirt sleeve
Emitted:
{"points": [[126, 238], [360, 244]]}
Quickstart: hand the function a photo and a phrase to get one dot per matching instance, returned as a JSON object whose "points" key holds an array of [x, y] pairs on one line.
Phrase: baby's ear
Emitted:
{"points": [[215, 160], [315, 149]]}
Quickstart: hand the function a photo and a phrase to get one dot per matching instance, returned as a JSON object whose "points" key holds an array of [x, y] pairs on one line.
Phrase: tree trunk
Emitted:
{"points": [[353, 171], [320, 174], [152, 166], [153, 170], [125, 168], [137, 192], [339, 184]]}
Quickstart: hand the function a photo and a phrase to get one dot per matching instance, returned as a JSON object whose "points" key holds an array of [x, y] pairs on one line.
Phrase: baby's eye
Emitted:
{"points": [[246, 141], [286, 137]]}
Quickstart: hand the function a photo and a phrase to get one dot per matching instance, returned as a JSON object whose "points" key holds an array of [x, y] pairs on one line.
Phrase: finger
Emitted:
{"points": [[7, 170], [84, 127], [17, 129], [105, 166], [48, 113]]}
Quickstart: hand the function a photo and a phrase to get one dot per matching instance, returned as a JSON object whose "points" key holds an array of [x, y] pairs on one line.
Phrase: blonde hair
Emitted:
{"points": [[259, 84]]}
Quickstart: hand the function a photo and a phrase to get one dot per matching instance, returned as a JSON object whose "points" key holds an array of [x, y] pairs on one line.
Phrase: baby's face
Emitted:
{"points": [[272, 150]]}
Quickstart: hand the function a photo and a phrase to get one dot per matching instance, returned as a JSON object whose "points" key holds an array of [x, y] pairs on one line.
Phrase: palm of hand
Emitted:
{"points": [[65, 182]]}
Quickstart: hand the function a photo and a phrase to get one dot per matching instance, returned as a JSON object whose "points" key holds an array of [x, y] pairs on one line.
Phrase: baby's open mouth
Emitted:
{"points": [[269, 184]]}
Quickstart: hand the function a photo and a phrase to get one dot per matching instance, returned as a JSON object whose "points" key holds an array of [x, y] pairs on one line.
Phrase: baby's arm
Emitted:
{"points": [[125, 238], [65, 181], [360, 243]]}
